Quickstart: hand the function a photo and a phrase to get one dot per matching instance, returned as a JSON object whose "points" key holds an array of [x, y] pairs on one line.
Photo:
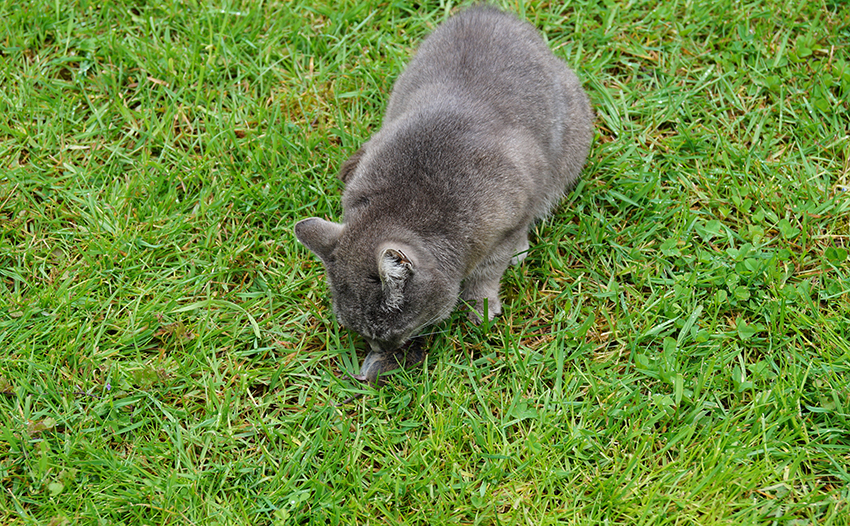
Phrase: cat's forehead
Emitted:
{"points": [[355, 255]]}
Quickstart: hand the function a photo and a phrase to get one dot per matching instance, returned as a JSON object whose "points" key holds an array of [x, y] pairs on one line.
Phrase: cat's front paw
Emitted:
{"points": [[476, 310], [520, 252]]}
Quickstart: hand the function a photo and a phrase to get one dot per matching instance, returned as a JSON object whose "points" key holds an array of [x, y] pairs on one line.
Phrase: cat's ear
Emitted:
{"points": [[394, 268], [320, 236]]}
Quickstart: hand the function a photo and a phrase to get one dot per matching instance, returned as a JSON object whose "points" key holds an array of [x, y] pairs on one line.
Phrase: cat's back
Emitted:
{"points": [[485, 126], [491, 59], [501, 70]]}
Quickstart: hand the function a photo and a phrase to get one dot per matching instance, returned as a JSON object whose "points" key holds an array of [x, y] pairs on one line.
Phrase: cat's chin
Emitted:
{"points": [[377, 363]]}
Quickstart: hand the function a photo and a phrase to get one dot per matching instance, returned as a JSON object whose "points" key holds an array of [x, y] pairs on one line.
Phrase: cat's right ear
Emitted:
{"points": [[320, 236]]}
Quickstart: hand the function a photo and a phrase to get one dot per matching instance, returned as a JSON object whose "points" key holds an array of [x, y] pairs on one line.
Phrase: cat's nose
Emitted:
{"points": [[379, 345]]}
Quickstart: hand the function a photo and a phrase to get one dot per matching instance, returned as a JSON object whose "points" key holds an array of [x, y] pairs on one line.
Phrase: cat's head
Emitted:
{"points": [[385, 289]]}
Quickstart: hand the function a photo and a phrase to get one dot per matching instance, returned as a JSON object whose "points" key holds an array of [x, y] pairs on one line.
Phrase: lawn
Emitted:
{"points": [[674, 350]]}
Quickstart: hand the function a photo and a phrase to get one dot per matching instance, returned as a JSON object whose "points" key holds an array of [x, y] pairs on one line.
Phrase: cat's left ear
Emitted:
{"points": [[320, 236], [395, 268]]}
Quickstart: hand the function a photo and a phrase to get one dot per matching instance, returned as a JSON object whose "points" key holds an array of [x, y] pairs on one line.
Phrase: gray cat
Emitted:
{"points": [[483, 133]]}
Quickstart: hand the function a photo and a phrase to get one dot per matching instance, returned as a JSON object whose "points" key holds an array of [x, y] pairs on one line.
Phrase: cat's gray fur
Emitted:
{"points": [[484, 131]]}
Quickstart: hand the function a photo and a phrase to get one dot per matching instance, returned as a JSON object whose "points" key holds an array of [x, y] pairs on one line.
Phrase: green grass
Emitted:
{"points": [[674, 350]]}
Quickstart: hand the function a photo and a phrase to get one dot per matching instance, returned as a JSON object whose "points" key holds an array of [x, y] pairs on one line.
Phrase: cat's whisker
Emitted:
{"points": [[432, 333], [440, 316]]}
